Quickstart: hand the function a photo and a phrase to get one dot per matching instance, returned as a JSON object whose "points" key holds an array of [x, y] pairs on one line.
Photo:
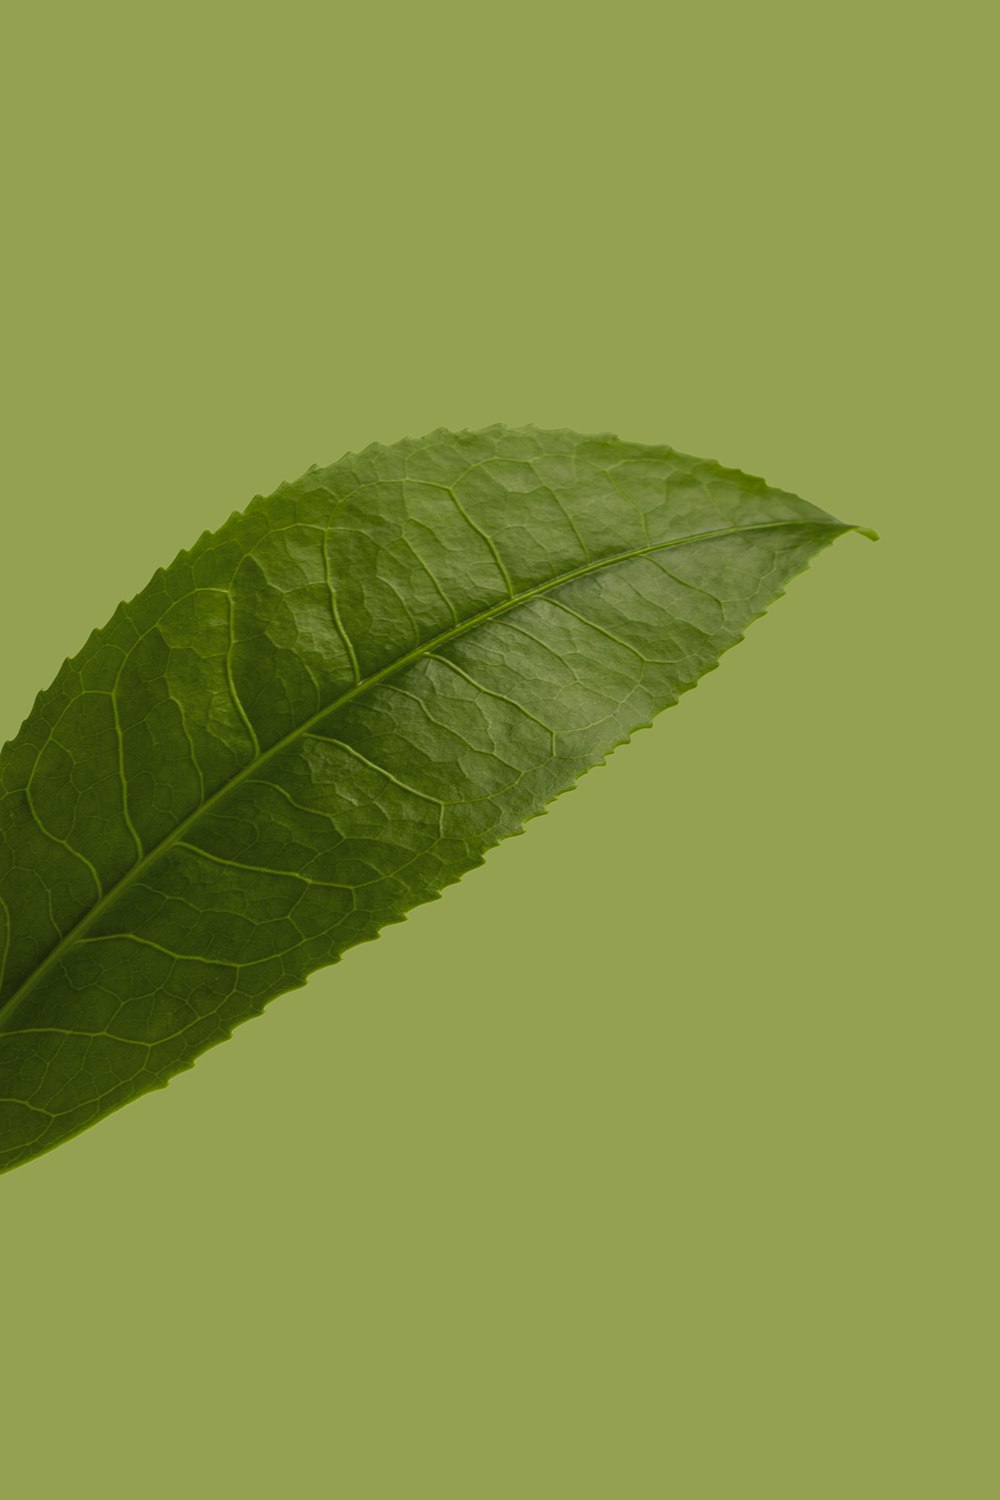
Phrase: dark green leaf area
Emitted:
{"points": [[326, 712]]}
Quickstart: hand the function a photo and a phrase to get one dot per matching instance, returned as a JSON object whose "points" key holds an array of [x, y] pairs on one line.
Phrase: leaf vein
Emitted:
{"points": [[542, 589]]}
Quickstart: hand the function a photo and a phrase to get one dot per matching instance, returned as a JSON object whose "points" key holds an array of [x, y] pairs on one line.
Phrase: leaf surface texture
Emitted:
{"points": [[330, 709]]}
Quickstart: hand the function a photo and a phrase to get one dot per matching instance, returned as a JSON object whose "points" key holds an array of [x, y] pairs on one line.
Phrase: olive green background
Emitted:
{"points": [[658, 1158]]}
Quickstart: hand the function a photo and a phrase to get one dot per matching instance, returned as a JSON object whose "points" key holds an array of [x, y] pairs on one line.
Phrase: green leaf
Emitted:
{"points": [[329, 710]]}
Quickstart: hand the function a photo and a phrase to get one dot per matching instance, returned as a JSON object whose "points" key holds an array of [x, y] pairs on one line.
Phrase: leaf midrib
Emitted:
{"points": [[58, 952]]}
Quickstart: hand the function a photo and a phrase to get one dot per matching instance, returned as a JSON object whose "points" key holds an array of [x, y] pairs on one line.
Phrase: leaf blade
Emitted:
{"points": [[342, 699]]}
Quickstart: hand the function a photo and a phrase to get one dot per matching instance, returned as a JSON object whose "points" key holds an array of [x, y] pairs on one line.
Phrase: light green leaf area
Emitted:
{"points": [[326, 712]]}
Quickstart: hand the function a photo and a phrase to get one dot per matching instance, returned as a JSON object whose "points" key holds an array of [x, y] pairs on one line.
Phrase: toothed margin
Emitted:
{"points": [[696, 465]]}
